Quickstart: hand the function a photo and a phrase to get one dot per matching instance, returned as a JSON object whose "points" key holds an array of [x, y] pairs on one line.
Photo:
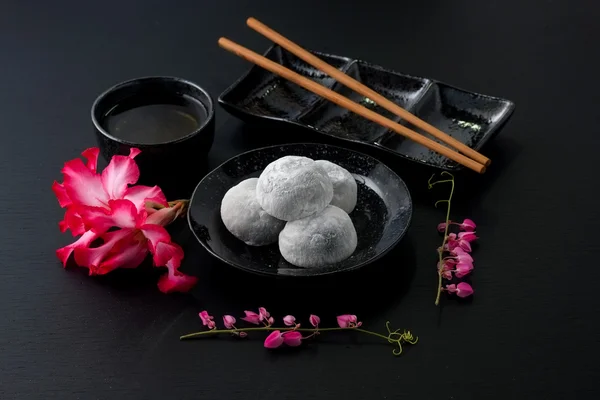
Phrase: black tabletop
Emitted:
{"points": [[528, 331]]}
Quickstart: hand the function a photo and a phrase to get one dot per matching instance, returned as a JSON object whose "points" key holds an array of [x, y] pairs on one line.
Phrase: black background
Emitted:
{"points": [[530, 330]]}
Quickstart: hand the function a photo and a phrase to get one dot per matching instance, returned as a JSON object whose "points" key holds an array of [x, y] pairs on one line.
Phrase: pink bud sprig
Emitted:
{"points": [[455, 261], [291, 334]]}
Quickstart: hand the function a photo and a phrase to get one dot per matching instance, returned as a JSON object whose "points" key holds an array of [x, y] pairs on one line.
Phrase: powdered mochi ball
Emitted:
{"points": [[344, 185], [244, 217], [324, 238], [293, 187]]}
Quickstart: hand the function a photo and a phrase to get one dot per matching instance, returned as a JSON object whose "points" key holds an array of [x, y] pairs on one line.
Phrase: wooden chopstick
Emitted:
{"points": [[358, 87], [348, 104]]}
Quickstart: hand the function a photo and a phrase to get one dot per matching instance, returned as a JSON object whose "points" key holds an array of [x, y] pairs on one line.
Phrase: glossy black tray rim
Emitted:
{"points": [[456, 167], [354, 268]]}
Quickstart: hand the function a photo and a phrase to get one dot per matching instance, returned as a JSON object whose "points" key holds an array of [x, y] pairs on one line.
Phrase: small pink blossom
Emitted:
{"points": [[289, 320], [263, 313], [451, 242], [274, 340], [441, 227], [467, 225], [461, 256], [348, 321], [468, 236], [446, 268], [270, 321], [463, 289], [229, 321], [252, 317], [207, 320], [242, 334], [463, 269], [292, 338], [314, 320]]}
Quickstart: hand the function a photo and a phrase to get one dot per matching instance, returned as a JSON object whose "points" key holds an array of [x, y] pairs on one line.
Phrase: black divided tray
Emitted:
{"points": [[470, 117]]}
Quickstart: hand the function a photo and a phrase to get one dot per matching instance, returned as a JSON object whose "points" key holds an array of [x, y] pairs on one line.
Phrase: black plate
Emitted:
{"points": [[381, 217], [470, 117]]}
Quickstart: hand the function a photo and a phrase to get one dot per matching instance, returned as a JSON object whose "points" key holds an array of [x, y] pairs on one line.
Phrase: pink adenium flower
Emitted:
{"points": [[274, 340], [467, 225], [348, 321], [207, 320], [229, 321], [252, 317], [97, 203], [463, 289], [314, 320], [292, 338], [289, 320]]}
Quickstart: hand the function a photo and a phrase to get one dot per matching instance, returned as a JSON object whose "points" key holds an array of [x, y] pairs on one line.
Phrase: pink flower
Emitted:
{"points": [[463, 289], [441, 227], [274, 340], [252, 317], [463, 269], [263, 313], [242, 334], [314, 320], [348, 321], [229, 321], [289, 320], [83, 186], [207, 320], [467, 225], [292, 338], [461, 256], [446, 268], [451, 242], [95, 203]]}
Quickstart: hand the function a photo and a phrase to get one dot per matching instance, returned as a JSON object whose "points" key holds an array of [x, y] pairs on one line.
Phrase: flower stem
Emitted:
{"points": [[441, 250]]}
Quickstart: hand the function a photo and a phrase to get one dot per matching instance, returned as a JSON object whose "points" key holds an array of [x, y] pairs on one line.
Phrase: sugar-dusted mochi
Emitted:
{"points": [[244, 217], [320, 239], [344, 185], [293, 187]]}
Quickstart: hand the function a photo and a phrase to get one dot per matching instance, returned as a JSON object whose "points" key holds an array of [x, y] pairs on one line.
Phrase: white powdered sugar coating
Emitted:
{"points": [[293, 187], [244, 217], [324, 238], [344, 185]]}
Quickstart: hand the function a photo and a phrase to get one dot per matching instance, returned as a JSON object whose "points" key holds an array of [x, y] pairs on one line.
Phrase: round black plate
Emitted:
{"points": [[381, 217]]}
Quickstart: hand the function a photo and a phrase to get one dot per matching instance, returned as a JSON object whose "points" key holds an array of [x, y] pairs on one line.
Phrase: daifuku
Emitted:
{"points": [[320, 239], [244, 217], [344, 185], [293, 187]]}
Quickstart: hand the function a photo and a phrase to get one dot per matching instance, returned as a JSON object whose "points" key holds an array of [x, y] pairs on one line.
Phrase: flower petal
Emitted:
{"points": [[83, 186], [85, 240], [61, 194], [72, 221], [122, 214], [124, 254], [314, 320], [140, 194], [120, 172], [292, 338], [289, 320], [93, 257], [91, 155], [155, 235], [170, 256], [176, 282], [463, 289], [274, 340]]}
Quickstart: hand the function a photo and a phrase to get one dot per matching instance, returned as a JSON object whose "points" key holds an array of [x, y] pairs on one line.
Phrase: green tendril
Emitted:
{"points": [[441, 250]]}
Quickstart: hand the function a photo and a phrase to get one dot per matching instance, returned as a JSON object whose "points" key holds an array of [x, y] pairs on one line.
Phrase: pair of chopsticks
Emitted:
{"points": [[469, 157]]}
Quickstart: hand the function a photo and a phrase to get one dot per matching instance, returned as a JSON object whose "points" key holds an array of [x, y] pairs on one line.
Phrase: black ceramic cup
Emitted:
{"points": [[176, 164]]}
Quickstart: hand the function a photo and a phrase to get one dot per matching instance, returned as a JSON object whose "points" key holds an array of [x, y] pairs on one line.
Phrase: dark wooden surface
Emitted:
{"points": [[530, 331]]}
